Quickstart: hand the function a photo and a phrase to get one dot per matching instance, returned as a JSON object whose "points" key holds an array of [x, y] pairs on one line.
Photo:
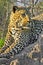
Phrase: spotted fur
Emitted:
{"points": [[19, 34], [16, 34]]}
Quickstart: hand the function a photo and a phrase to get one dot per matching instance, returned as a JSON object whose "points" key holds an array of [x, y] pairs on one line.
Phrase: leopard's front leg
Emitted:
{"points": [[8, 41]]}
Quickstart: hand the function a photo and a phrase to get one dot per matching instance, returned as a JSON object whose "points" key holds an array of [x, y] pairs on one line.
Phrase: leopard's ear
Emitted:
{"points": [[15, 8]]}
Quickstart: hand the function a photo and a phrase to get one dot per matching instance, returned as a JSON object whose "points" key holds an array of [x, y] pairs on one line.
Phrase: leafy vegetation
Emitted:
{"points": [[1, 42]]}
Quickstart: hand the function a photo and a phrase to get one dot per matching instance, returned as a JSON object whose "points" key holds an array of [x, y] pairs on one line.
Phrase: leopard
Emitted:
{"points": [[21, 32], [17, 35]]}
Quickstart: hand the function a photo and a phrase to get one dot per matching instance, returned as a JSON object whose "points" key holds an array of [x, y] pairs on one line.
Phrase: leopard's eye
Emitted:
{"points": [[23, 14]]}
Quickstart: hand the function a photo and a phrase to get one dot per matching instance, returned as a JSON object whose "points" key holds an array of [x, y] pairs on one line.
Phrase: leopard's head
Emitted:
{"points": [[19, 19]]}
